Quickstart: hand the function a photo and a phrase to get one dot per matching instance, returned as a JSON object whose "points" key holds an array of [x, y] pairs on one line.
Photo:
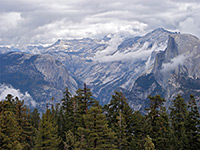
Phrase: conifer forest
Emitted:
{"points": [[79, 122]]}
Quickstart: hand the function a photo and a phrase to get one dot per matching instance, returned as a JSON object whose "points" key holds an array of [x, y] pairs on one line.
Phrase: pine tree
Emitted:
{"points": [[65, 116], [24, 122], [35, 118], [70, 115], [9, 129], [138, 130], [82, 101], [120, 117], [121, 132], [69, 142], [157, 123], [47, 137], [61, 122], [96, 135], [178, 121], [81, 139], [148, 143], [193, 125], [164, 133], [84, 97]]}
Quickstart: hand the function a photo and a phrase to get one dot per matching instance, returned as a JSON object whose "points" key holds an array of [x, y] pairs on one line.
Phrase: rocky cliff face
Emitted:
{"points": [[160, 62], [111, 62], [42, 76], [175, 71]]}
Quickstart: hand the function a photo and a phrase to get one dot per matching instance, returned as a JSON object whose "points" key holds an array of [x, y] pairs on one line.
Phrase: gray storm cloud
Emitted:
{"points": [[35, 21]]}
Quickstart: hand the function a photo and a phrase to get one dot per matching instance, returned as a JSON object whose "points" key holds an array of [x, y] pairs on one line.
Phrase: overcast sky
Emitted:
{"points": [[44, 21]]}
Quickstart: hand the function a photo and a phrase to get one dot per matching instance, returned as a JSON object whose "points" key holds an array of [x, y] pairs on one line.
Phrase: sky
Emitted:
{"points": [[24, 22]]}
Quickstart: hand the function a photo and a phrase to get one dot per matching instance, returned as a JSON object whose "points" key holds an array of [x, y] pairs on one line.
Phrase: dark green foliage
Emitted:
{"points": [[69, 142], [21, 114], [64, 116], [120, 116], [85, 100], [97, 134], [24, 121], [178, 116], [157, 123], [35, 118], [138, 130], [193, 125], [82, 101], [47, 137], [79, 123], [148, 145], [9, 129]]}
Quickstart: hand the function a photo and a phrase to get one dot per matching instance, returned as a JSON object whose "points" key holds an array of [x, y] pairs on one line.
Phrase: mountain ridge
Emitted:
{"points": [[42, 76], [133, 65]]}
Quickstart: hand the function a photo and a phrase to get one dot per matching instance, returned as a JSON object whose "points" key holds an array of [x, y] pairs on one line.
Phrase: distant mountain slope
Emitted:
{"points": [[42, 76], [160, 62], [175, 71], [112, 62]]}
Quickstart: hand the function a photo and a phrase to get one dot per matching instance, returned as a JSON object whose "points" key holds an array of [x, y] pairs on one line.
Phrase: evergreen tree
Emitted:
{"points": [[61, 122], [120, 117], [82, 101], [47, 137], [81, 139], [121, 132], [96, 135], [148, 143], [65, 116], [24, 122], [70, 115], [157, 123], [138, 130], [35, 119], [69, 142], [178, 116], [9, 129], [193, 125], [84, 97]]}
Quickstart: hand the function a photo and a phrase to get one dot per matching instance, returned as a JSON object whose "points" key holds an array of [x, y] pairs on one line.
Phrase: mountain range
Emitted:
{"points": [[160, 62]]}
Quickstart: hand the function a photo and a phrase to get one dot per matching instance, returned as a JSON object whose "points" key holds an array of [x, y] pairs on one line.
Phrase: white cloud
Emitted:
{"points": [[175, 62], [193, 24], [110, 50], [8, 89], [135, 53], [35, 21], [9, 20], [141, 53]]}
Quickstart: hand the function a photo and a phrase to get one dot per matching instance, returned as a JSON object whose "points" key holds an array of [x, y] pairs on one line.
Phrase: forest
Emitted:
{"points": [[79, 122]]}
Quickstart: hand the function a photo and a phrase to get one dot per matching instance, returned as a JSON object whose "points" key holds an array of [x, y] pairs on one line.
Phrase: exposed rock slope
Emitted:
{"points": [[42, 76], [175, 71]]}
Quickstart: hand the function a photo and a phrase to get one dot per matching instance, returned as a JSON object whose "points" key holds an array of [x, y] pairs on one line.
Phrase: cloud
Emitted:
{"points": [[141, 53], [192, 23], [175, 62], [110, 50], [35, 21], [135, 53], [8, 89]]}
